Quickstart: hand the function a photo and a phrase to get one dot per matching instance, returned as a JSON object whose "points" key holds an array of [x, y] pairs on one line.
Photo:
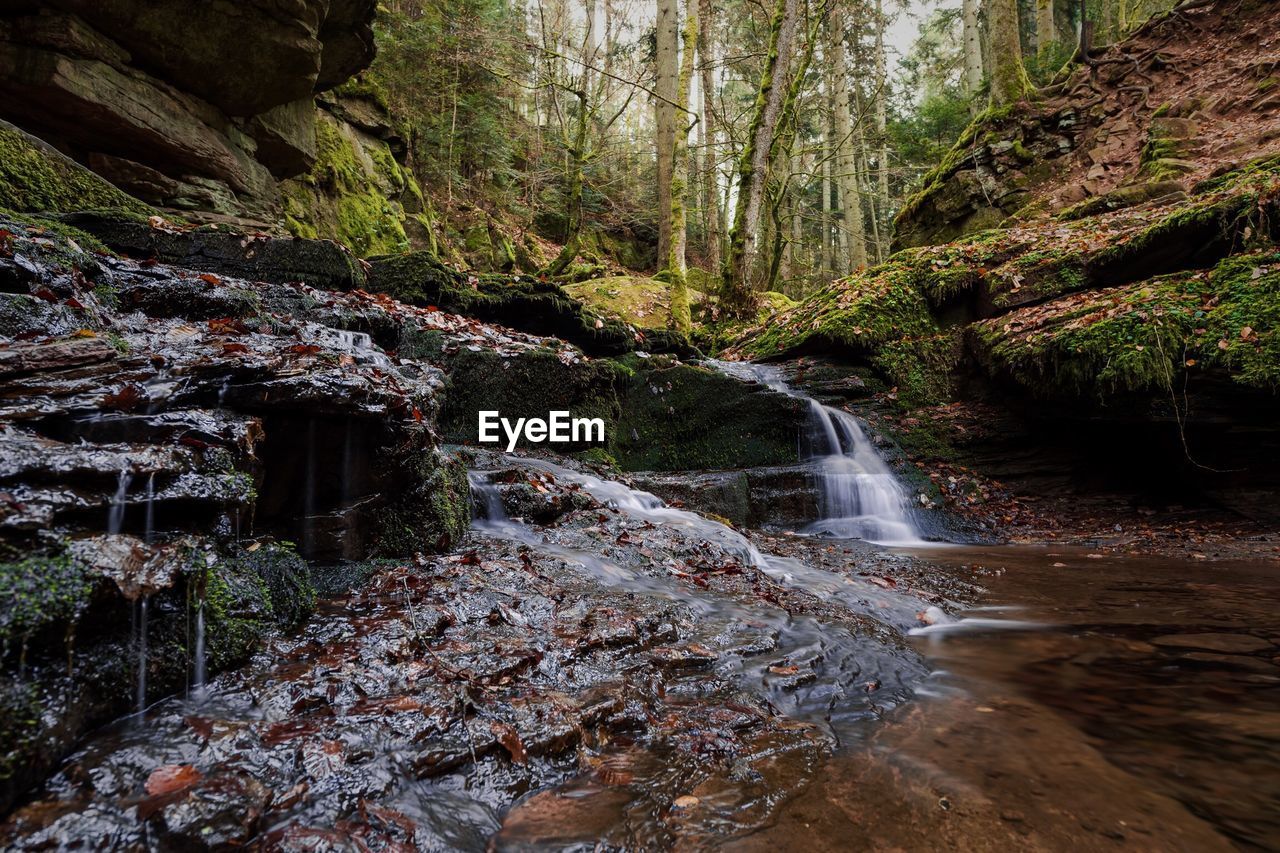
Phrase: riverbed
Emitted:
{"points": [[1088, 701]]}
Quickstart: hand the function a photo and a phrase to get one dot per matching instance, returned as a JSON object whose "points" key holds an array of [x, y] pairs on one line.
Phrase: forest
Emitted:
{"points": [[640, 425]]}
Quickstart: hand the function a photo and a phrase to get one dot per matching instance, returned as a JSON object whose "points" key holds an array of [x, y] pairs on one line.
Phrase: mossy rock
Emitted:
{"points": [[897, 317], [286, 578], [40, 592], [323, 264], [356, 193], [528, 385], [1146, 337], [518, 301], [36, 178], [677, 416], [430, 516], [635, 300]]}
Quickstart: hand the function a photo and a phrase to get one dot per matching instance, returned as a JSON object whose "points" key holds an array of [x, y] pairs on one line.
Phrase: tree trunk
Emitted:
{"points": [[852, 229], [753, 164], [577, 157], [710, 184], [826, 265], [882, 163], [1046, 29], [665, 117], [1009, 81], [972, 50], [678, 202], [868, 189]]}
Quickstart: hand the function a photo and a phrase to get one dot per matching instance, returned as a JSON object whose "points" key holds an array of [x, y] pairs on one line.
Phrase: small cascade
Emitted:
{"points": [[115, 516], [199, 664], [859, 495], [141, 625], [488, 497], [150, 529], [842, 657], [358, 345]]}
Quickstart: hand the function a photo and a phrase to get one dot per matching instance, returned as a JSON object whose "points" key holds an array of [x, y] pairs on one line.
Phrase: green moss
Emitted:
{"points": [[21, 709], [642, 302], [858, 313], [681, 417], [286, 579], [39, 592], [36, 179], [351, 194], [1141, 337], [920, 368], [238, 613], [432, 514]]}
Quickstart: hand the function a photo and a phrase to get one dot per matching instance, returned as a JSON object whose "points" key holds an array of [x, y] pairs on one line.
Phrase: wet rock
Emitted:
{"points": [[780, 496], [321, 263]]}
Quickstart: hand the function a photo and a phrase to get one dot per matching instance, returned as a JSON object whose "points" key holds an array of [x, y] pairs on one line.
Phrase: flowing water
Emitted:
{"points": [[199, 664], [115, 515], [841, 663], [859, 495], [1136, 706]]}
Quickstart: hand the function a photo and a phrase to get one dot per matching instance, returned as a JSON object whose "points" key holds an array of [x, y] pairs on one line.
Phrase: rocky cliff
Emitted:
{"points": [[127, 87]]}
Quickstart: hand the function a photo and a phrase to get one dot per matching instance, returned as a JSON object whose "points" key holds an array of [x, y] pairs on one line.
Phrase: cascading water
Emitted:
{"points": [[839, 656], [860, 498], [150, 529], [142, 655], [198, 671], [115, 516]]}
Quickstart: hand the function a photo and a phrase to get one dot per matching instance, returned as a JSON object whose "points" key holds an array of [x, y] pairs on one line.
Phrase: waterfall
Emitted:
{"points": [[358, 345], [859, 496], [199, 664], [115, 516], [149, 533], [142, 654]]}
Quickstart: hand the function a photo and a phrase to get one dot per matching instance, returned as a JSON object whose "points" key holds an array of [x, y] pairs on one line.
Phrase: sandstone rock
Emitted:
{"points": [[204, 123], [320, 263], [286, 137], [266, 53]]}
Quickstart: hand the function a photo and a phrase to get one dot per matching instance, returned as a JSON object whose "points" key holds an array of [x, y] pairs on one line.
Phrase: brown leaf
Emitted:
{"points": [[172, 777], [510, 740]]}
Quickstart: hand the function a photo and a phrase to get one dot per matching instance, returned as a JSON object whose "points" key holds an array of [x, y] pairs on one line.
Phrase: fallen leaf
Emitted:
{"points": [[172, 777], [510, 740]]}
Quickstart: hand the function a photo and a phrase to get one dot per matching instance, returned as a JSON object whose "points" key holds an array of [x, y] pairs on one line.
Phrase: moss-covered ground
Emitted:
{"points": [[906, 318]]}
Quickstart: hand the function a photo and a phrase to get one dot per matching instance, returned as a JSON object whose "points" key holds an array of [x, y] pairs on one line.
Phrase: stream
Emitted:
{"points": [[1137, 705], [594, 666]]}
